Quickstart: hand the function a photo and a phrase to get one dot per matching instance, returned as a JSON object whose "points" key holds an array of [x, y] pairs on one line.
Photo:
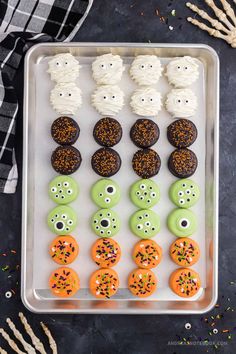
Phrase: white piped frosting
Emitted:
{"points": [[182, 72], [146, 102], [66, 98], [107, 69], [63, 68], [181, 103], [146, 70], [108, 99]]}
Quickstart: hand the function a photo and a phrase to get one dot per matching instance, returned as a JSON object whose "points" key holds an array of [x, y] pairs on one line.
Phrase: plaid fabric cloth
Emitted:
{"points": [[22, 24]]}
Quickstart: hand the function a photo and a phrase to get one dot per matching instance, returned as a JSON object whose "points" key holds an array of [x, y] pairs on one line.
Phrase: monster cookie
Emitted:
{"points": [[64, 249], [63, 68], [181, 103], [182, 72], [65, 98], [184, 193], [182, 133], [105, 223], [182, 163], [146, 163], [107, 69], [62, 220], [108, 100], [185, 282], [147, 254], [144, 193], [65, 131], [144, 133], [146, 70], [105, 193], [107, 132], [106, 162], [145, 223], [64, 282], [142, 282], [104, 283], [106, 252], [185, 252], [66, 160], [63, 190], [146, 102], [182, 222]]}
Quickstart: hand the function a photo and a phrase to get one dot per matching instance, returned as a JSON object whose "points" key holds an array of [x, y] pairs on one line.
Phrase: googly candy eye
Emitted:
{"points": [[147, 223], [107, 200], [184, 223], [64, 216], [153, 195], [180, 194], [53, 189], [69, 191], [70, 222], [138, 193], [182, 201], [188, 191], [66, 184], [57, 196], [140, 226], [188, 326], [111, 190], [8, 294]]}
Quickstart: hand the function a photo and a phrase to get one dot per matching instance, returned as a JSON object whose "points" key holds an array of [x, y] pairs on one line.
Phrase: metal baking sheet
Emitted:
{"points": [[38, 145]]}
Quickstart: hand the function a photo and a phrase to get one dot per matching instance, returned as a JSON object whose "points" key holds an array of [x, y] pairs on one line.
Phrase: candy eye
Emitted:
{"points": [[184, 185], [191, 186], [147, 223], [56, 216], [105, 223], [141, 198], [153, 195], [179, 101], [181, 193], [142, 66], [109, 232], [181, 201], [100, 194], [66, 63], [139, 226], [56, 195], [184, 223], [105, 97], [67, 229], [69, 191], [66, 184], [107, 200], [97, 227], [140, 217], [59, 184], [60, 94], [188, 191], [150, 66], [186, 101], [114, 220], [113, 97], [64, 216], [142, 99], [111, 64], [193, 194], [102, 66], [95, 221], [101, 232], [146, 215], [52, 220], [53, 189], [142, 186], [145, 231], [148, 201], [178, 67], [62, 197], [57, 63], [69, 94], [151, 99], [70, 222], [60, 225], [111, 190], [186, 68], [109, 215], [138, 193], [8, 294]]}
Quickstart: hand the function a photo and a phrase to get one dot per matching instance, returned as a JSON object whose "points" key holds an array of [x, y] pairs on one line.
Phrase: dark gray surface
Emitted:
{"points": [[121, 21]]}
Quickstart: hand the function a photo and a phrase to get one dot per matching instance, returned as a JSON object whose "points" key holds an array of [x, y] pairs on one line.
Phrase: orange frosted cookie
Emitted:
{"points": [[106, 252], [185, 282], [185, 252], [147, 254], [64, 282], [142, 282], [104, 283], [64, 249]]}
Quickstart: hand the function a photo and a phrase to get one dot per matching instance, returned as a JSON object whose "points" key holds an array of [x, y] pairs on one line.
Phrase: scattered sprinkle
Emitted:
{"points": [[171, 28], [173, 12], [4, 269]]}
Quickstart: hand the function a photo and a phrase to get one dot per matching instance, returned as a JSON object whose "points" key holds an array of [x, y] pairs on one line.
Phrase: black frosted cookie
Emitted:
{"points": [[146, 163], [182, 133], [182, 163], [107, 132], [144, 133], [65, 131], [66, 159], [106, 162]]}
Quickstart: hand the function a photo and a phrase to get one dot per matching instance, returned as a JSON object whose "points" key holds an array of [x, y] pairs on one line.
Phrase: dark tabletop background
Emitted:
{"points": [[137, 21]]}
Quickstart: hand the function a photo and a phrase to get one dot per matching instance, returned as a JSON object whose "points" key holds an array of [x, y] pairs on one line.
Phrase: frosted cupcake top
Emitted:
{"points": [[182, 72], [146, 70], [63, 68], [181, 103], [107, 69]]}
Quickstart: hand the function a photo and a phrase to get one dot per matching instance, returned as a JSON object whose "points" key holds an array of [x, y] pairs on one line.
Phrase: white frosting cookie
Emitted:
{"points": [[66, 98], [182, 72], [146, 102], [181, 103], [63, 68], [146, 69], [108, 99], [107, 69]]}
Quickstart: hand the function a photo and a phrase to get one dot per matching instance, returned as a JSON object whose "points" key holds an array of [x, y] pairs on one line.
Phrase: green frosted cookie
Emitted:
{"points": [[184, 193], [145, 223], [62, 220], [105, 223], [144, 193], [105, 193], [63, 190], [182, 222]]}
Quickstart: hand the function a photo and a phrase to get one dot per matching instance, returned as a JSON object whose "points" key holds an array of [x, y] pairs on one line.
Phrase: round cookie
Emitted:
{"points": [[185, 252], [182, 163], [182, 133], [146, 101], [105, 223], [184, 193], [108, 100], [182, 72], [104, 283], [144, 193], [147, 254], [105, 193], [63, 67], [107, 69], [63, 190], [64, 282], [106, 162], [182, 222], [146, 70], [181, 103], [62, 220], [145, 223], [66, 160], [65, 131], [64, 249], [107, 132], [106, 252], [65, 98], [185, 282], [144, 133], [146, 163], [142, 282]]}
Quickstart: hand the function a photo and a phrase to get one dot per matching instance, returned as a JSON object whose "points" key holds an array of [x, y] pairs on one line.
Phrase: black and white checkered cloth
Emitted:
{"points": [[22, 24]]}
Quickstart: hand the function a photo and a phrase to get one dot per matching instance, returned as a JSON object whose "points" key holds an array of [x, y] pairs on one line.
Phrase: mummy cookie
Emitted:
{"points": [[144, 193], [62, 220], [181, 103], [105, 193], [145, 223], [107, 69], [63, 190], [146, 70], [105, 223], [182, 72], [182, 222], [63, 68], [146, 101], [65, 98], [108, 99], [184, 193]]}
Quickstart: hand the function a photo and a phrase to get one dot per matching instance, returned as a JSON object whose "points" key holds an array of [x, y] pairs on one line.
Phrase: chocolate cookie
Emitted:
{"points": [[65, 131], [106, 162], [144, 133], [182, 133], [182, 163], [66, 159], [107, 132], [146, 163]]}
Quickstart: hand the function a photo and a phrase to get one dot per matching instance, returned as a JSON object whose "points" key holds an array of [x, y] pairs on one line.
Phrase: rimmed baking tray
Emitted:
{"points": [[38, 116]]}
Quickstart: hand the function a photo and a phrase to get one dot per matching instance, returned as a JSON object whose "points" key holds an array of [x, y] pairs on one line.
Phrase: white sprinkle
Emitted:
{"points": [[190, 259], [97, 292], [53, 249], [141, 245], [156, 257], [181, 244], [97, 256], [97, 282], [182, 290], [171, 28], [140, 276], [66, 243]]}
